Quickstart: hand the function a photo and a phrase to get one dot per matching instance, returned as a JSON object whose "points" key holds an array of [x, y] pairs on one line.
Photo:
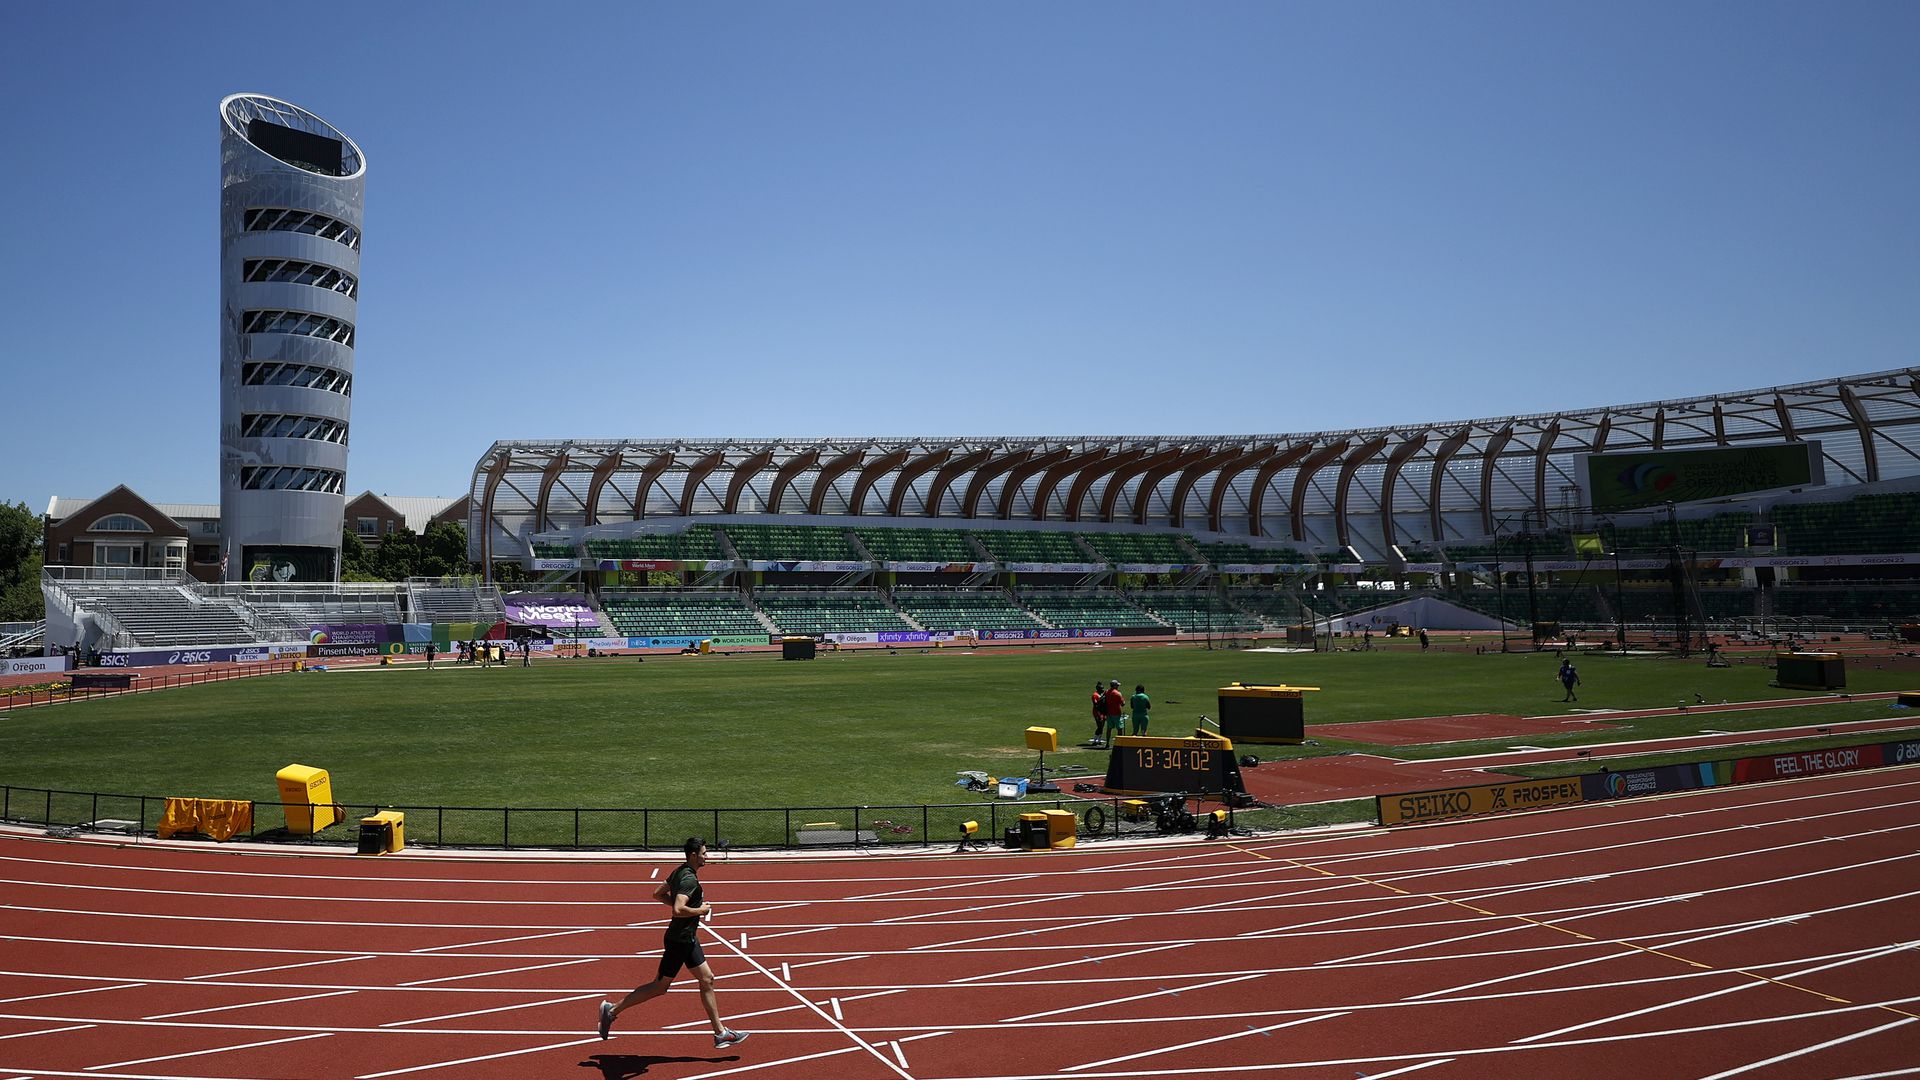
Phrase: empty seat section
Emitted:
{"points": [[449, 603], [1089, 610], [801, 543], [548, 549], [918, 545], [1034, 546], [964, 609], [1864, 606], [1122, 547], [680, 615], [1224, 553], [1197, 613], [1274, 605], [697, 543], [165, 615], [829, 614], [1867, 525], [1722, 532]]}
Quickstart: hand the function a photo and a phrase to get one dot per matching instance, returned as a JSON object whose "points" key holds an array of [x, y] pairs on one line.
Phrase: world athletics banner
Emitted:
{"points": [[550, 609], [354, 633]]}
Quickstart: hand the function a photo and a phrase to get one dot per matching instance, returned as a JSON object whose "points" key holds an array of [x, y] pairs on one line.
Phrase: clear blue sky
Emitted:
{"points": [[782, 219]]}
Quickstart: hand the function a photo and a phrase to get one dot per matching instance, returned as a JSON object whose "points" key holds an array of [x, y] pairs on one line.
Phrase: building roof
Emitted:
{"points": [[418, 510]]}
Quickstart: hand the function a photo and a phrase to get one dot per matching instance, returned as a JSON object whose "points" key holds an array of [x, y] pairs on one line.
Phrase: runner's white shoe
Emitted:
{"points": [[606, 1018], [728, 1038]]}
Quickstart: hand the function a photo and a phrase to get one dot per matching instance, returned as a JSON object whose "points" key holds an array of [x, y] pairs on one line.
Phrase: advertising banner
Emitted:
{"points": [[1152, 568], [33, 665], [1482, 799], [1651, 477], [216, 654], [556, 564], [416, 632], [896, 636], [940, 567], [1809, 763], [1056, 568], [354, 634], [550, 609], [1270, 568], [1057, 633], [390, 648], [765, 565]]}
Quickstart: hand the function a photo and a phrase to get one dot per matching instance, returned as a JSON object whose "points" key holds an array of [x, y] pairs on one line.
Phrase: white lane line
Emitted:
{"points": [[1109, 1002], [248, 1005], [214, 1050], [491, 974], [1915, 1071], [804, 1000], [499, 941], [835, 1002], [1203, 1042], [482, 1057], [1791, 1054], [46, 1031], [277, 967], [1409, 1069], [495, 1009], [71, 993]]}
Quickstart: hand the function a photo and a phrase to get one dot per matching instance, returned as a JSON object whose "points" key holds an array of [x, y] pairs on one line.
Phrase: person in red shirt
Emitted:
{"points": [[1099, 715], [1114, 705]]}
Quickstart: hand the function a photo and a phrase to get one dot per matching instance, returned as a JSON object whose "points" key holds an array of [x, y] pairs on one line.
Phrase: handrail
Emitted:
{"points": [[14, 698], [629, 828]]}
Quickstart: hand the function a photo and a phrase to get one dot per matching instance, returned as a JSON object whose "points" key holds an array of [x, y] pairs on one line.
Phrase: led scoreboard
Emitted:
{"points": [[1141, 765]]}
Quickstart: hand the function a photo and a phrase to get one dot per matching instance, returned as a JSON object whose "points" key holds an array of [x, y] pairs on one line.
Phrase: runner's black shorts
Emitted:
{"points": [[680, 954]]}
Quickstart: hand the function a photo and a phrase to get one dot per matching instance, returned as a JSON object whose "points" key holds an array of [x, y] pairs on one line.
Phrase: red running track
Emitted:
{"points": [[1763, 931]]}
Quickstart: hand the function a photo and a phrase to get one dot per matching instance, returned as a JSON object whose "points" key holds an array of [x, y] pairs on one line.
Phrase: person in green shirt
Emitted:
{"points": [[681, 892], [1141, 704]]}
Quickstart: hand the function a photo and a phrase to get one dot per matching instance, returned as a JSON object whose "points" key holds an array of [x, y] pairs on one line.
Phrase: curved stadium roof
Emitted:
{"points": [[1366, 488]]}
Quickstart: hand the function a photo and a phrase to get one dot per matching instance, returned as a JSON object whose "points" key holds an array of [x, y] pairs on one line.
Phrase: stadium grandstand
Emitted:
{"points": [[1793, 506]]}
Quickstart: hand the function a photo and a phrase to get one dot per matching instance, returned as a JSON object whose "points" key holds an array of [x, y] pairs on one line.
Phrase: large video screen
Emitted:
{"points": [[315, 153], [1650, 477]]}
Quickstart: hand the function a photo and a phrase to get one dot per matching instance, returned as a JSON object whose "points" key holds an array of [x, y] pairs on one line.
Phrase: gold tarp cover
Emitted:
{"points": [[218, 818]]}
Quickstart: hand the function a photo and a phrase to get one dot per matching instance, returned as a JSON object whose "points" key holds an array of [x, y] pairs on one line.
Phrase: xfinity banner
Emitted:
{"points": [[33, 665]]}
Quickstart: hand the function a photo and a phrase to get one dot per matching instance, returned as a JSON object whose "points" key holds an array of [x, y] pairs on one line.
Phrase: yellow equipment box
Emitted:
{"points": [[1061, 827], [1263, 714], [383, 833], [306, 794]]}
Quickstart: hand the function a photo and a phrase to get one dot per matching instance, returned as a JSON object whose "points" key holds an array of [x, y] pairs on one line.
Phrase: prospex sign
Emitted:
{"points": [[1420, 806]]}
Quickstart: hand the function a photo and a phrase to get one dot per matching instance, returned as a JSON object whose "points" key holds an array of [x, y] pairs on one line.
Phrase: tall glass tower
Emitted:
{"points": [[291, 192]]}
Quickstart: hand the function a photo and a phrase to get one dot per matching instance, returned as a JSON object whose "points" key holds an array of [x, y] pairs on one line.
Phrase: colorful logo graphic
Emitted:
{"points": [[318, 637], [1616, 785], [1646, 477]]}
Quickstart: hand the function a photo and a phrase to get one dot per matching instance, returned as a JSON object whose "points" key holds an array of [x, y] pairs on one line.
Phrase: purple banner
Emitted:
{"points": [[1059, 633], [355, 634], [887, 636], [551, 609]]}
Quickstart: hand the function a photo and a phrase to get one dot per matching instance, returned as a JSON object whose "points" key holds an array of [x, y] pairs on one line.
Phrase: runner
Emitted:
{"points": [[681, 892]]}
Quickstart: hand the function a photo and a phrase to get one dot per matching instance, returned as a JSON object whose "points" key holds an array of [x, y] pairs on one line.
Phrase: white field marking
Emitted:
{"points": [[204, 1053], [1596, 747], [782, 1061], [1409, 1069], [494, 941], [654, 875], [71, 993], [835, 1002], [46, 1031], [290, 898], [280, 967], [1748, 982], [1418, 945], [491, 974], [1071, 963], [1483, 1051], [1202, 1042], [1109, 1002], [899, 1053], [1790, 1055], [743, 940], [482, 1012], [482, 1057], [1528, 974], [1563, 829], [42, 1074], [245, 1005], [785, 974], [804, 1000], [1915, 1071], [795, 933], [1424, 872]]}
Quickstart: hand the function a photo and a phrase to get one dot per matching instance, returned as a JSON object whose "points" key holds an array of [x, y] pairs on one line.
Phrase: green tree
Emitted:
{"points": [[21, 534], [445, 549], [356, 561], [400, 555]]}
